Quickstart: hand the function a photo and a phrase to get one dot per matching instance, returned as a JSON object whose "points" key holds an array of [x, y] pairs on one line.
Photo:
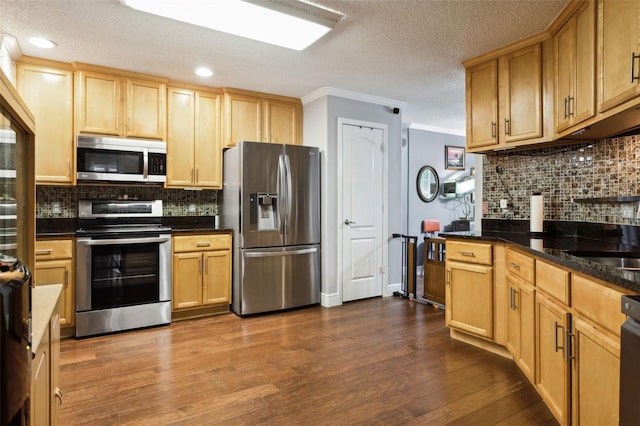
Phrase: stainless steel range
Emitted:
{"points": [[123, 268]]}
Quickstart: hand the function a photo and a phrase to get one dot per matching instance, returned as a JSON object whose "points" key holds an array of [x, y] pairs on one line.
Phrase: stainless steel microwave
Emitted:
{"points": [[113, 159]]}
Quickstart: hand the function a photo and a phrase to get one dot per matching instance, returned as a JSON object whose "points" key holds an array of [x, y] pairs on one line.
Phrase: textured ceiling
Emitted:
{"points": [[406, 50]]}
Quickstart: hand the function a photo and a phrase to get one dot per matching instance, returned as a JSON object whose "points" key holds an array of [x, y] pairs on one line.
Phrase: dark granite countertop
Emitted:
{"points": [[556, 243], [66, 227]]}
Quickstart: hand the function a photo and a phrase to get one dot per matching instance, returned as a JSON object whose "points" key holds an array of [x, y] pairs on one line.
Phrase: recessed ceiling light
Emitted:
{"points": [[204, 72], [42, 42]]}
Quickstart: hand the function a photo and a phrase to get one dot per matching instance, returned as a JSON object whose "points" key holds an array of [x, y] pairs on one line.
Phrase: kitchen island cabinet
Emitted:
{"points": [[194, 154], [46, 396], [109, 102], [47, 88], [201, 274]]}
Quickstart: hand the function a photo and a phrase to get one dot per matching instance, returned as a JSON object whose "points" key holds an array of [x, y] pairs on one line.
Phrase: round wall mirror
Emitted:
{"points": [[428, 184]]}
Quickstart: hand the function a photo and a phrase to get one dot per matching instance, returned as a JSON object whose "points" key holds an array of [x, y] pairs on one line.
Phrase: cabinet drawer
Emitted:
{"points": [[520, 265], [468, 252], [553, 280], [203, 242], [54, 249], [597, 302]]}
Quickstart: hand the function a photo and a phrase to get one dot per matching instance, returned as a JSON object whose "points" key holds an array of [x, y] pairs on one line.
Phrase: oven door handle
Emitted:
{"points": [[123, 241]]}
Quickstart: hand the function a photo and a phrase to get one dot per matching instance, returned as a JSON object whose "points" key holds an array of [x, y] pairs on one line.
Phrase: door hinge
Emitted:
{"points": [[382, 270], [382, 147]]}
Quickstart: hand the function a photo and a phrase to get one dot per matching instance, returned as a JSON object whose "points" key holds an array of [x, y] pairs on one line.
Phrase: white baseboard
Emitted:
{"points": [[330, 300], [391, 288]]}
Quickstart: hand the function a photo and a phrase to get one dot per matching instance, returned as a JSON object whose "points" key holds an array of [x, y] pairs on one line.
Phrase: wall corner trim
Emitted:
{"points": [[341, 93]]}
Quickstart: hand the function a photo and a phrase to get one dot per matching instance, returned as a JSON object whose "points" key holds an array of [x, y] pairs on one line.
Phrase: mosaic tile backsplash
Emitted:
{"points": [[175, 202], [563, 174]]}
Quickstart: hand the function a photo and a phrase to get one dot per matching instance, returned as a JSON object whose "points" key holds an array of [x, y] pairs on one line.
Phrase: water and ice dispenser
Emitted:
{"points": [[263, 213]]}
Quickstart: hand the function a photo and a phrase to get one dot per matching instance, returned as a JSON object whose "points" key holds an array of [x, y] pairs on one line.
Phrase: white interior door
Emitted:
{"points": [[362, 212]]}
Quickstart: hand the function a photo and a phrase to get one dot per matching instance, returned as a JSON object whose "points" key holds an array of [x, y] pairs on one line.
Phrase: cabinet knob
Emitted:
{"points": [[58, 394]]}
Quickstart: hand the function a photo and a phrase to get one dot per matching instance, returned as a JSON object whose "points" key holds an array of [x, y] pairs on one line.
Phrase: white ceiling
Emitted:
{"points": [[408, 51]]}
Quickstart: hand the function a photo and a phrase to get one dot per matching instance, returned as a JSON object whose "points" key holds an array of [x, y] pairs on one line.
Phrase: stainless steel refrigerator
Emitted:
{"points": [[271, 200]]}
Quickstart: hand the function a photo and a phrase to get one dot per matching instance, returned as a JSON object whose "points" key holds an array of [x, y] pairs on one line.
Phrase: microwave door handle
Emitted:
{"points": [[145, 164], [123, 241]]}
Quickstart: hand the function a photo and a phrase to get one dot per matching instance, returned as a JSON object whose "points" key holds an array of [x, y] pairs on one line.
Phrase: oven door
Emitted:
{"points": [[119, 272]]}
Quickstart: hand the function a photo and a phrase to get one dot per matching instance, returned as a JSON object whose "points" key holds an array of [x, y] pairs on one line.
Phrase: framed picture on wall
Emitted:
{"points": [[453, 157]]}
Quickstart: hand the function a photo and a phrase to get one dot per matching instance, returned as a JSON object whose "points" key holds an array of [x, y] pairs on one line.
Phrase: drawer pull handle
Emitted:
{"points": [[44, 251], [58, 394], [467, 253], [514, 265], [633, 65], [205, 244], [555, 336]]}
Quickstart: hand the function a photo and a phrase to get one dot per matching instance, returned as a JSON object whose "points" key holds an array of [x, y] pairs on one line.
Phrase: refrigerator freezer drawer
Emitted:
{"points": [[277, 278]]}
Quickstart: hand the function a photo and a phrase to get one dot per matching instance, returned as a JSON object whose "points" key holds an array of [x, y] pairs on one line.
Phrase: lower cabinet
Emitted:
{"points": [[521, 325], [201, 271], [46, 396], [552, 352], [469, 298], [54, 265]]}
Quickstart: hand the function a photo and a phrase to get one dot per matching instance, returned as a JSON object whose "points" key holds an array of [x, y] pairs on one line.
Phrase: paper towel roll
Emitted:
{"points": [[537, 212], [536, 244]]}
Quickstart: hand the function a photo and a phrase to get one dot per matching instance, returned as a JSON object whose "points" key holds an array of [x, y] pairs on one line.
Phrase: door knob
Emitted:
{"points": [[348, 222]]}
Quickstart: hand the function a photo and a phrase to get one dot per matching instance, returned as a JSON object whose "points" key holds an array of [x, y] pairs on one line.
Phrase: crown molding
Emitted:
{"points": [[347, 94], [455, 132], [10, 43]]}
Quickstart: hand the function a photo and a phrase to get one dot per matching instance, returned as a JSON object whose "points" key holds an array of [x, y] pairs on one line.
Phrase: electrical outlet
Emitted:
{"points": [[504, 203], [192, 208], [56, 209], [638, 211], [485, 207]]}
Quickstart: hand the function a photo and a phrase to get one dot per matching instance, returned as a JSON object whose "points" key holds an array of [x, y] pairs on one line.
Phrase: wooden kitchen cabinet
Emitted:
{"points": [[47, 88], [521, 315], [261, 117], [45, 395], [504, 98], [596, 375], [54, 265], [469, 291], [575, 68], [553, 322], [619, 52], [194, 154], [201, 270], [125, 105]]}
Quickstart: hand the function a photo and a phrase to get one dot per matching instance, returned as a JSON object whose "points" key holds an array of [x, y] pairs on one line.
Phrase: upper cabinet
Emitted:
{"points": [[120, 105], [261, 117], [619, 52], [504, 98], [574, 72], [47, 88], [194, 154]]}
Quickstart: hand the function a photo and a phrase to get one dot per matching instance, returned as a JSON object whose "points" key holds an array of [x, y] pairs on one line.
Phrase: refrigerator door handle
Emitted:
{"points": [[281, 185], [281, 253], [289, 190]]}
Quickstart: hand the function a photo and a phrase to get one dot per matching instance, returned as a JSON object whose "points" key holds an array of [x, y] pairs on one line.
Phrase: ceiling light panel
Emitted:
{"points": [[287, 23]]}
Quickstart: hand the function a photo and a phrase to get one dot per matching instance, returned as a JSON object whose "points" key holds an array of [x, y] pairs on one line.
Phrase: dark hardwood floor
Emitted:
{"points": [[382, 361]]}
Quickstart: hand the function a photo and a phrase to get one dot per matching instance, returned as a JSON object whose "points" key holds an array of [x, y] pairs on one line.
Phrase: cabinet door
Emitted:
{"points": [[619, 41], [521, 99], [583, 104], [243, 119], [187, 280], [54, 373], [40, 410], [180, 138], [596, 376], [145, 109], [208, 152], [526, 304], [482, 104], [59, 272], [552, 372], [49, 94], [469, 298], [217, 277], [281, 122], [565, 69], [99, 103]]}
